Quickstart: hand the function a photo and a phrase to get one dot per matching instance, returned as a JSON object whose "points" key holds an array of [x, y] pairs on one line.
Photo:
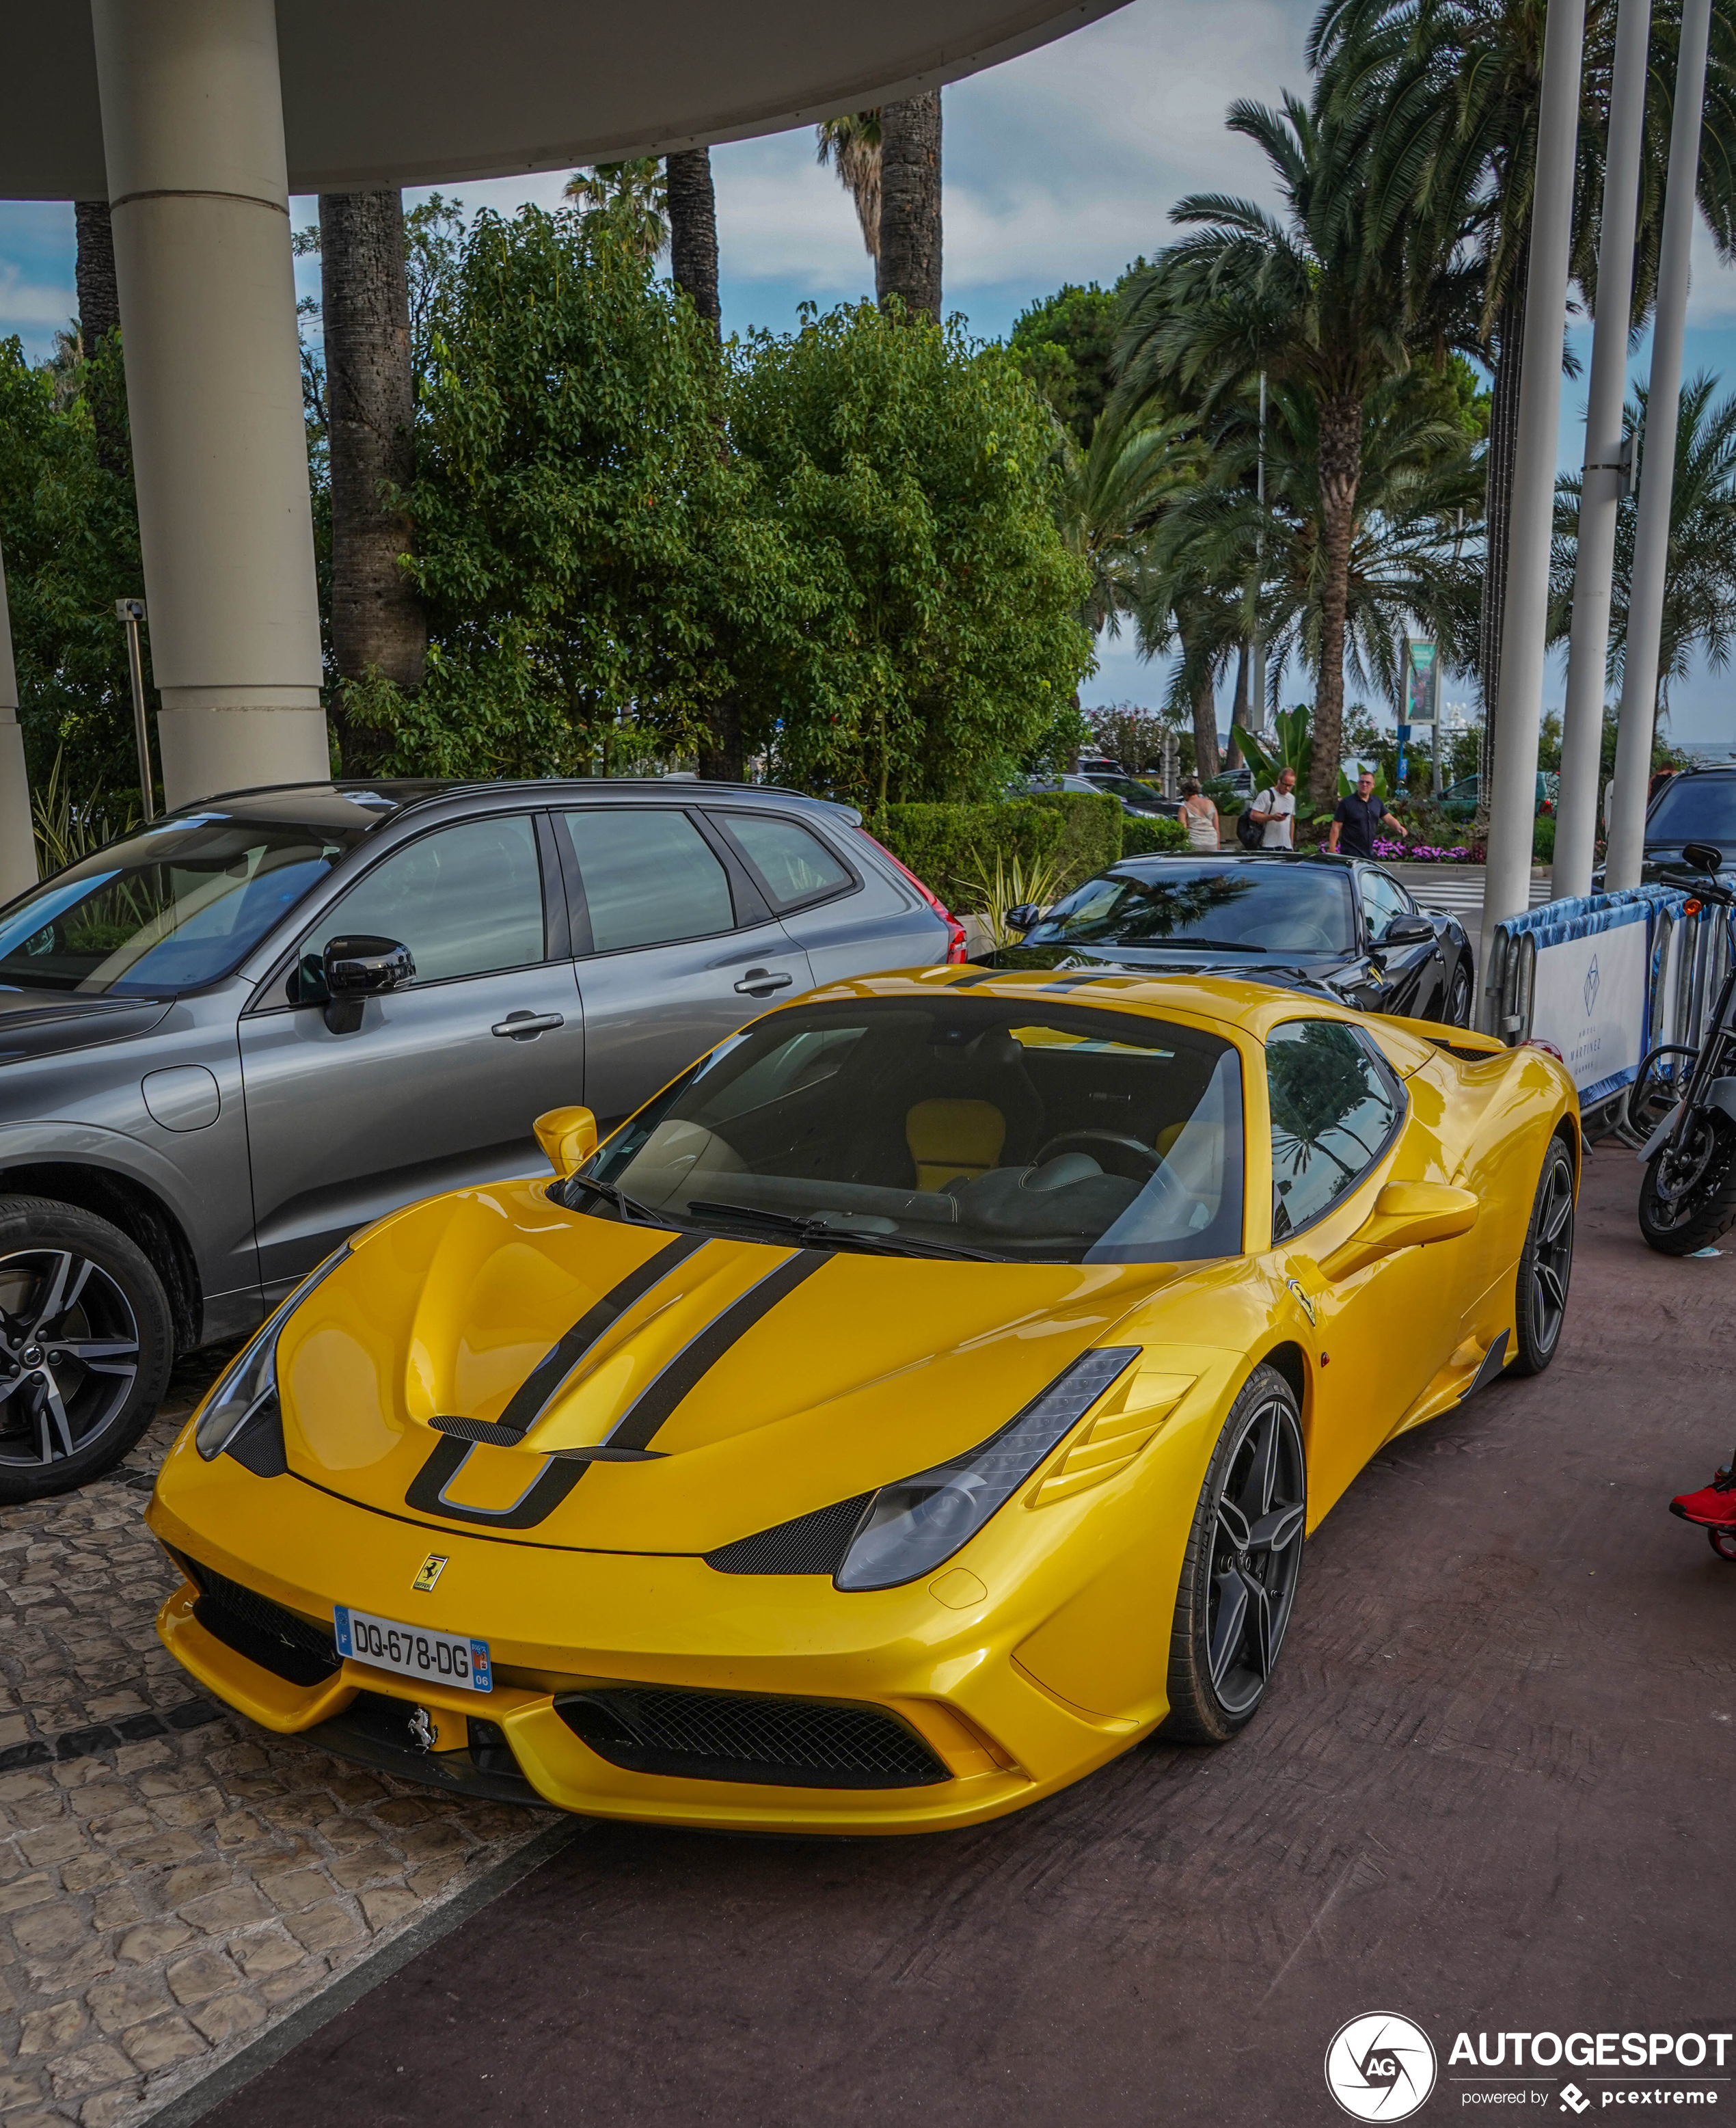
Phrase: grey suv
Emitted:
{"points": [[230, 1040]]}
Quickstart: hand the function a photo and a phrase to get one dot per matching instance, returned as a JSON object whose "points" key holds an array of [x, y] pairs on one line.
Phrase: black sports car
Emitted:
{"points": [[1341, 923]]}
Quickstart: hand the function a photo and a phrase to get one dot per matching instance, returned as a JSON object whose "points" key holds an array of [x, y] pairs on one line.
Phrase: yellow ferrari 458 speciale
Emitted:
{"points": [[918, 1402]]}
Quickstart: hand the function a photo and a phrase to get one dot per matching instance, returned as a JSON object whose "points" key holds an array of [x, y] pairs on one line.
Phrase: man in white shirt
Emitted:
{"points": [[1274, 812]]}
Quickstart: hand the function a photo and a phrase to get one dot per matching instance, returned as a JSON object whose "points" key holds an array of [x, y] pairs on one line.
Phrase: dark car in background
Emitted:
{"points": [[1137, 798], [1698, 805], [230, 1040], [1339, 923]]}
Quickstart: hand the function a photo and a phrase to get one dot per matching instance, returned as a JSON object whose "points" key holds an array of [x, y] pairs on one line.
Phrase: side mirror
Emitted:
{"points": [[1406, 1214], [358, 968], [1408, 931], [1022, 916], [1702, 857], [568, 1137]]}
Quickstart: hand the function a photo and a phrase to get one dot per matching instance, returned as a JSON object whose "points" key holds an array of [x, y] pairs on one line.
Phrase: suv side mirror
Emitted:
{"points": [[1702, 857], [356, 968], [1408, 931], [1022, 916]]}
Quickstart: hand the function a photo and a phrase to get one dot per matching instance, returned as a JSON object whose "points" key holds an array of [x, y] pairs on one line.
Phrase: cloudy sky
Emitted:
{"points": [[1061, 166]]}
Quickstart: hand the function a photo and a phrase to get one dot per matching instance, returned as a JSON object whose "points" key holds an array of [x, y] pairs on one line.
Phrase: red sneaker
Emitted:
{"points": [[1713, 1506]]}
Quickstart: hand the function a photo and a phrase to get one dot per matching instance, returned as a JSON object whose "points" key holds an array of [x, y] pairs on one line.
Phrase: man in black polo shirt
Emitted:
{"points": [[1359, 818]]}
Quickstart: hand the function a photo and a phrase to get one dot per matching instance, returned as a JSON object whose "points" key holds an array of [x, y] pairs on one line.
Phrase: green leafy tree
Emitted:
{"points": [[1065, 345]]}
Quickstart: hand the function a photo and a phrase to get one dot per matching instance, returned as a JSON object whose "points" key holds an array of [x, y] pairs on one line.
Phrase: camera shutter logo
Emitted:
{"points": [[1380, 2068]]}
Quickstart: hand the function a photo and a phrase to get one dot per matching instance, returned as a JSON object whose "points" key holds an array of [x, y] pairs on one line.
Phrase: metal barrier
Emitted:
{"points": [[1605, 978]]}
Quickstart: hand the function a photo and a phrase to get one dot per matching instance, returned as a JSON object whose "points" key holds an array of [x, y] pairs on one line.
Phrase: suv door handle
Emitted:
{"points": [[527, 1026], [760, 982]]}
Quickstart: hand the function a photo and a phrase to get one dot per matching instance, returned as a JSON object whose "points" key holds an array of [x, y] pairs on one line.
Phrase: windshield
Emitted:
{"points": [[1695, 809], [1068, 1135], [1124, 786], [174, 906], [1247, 908]]}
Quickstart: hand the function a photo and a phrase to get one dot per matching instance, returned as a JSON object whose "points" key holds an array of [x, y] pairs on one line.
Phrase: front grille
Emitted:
{"points": [[288, 1646], [811, 1544], [749, 1737]]}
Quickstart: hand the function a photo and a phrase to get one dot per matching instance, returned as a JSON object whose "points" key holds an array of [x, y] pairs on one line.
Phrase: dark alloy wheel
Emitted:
{"points": [[1243, 1562], [85, 1347], [1458, 1001], [1545, 1265], [1688, 1197]]}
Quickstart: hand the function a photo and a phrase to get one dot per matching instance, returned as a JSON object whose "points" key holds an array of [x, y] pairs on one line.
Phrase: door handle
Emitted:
{"points": [[760, 982], [526, 1026]]}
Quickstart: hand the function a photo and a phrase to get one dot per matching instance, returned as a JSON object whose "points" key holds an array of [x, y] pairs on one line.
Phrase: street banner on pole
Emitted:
{"points": [[1421, 703]]}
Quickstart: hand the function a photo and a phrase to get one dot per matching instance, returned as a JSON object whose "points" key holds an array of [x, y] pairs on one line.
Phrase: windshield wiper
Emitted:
{"points": [[629, 1208], [814, 1231]]}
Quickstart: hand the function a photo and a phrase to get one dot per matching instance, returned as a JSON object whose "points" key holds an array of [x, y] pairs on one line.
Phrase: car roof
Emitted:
{"points": [[1159, 861], [383, 798]]}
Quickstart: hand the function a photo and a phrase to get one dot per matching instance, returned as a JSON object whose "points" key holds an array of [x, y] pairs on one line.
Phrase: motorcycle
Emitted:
{"points": [[1682, 1104]]}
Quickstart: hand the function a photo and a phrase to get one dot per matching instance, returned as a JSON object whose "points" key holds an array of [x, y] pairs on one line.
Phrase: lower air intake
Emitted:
{"points": [[811, 1544], [739, 1737], [288, 1646]]}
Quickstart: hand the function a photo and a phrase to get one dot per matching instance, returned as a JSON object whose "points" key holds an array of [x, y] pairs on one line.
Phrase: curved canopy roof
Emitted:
{"points": [[421, 92]]}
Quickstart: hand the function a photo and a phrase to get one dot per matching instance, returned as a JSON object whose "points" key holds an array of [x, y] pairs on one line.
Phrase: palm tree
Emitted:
{"points": [[377, 621], [1323, 300], [851, 145], [693, 230], [1700, 578], [631, 198], [1458, 84], [907, 263]]}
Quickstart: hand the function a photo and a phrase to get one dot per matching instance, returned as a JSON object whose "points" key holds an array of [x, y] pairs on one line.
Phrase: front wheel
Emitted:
{"points": [[1457, 1013], [1242, 1564], [1545, 1265], [1688, 1197]]}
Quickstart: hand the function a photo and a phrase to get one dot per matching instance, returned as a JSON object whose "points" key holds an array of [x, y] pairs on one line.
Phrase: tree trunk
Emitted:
{"points": [[1499, 460], [99, 300], [910, 261], [1340, 470], [377, 618], [720, 752], [693, 230], [1205, 728], [1238, 710]]}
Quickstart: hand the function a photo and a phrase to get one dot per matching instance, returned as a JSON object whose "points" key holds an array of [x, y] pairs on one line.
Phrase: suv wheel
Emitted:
{"points": [[86, 1343]]}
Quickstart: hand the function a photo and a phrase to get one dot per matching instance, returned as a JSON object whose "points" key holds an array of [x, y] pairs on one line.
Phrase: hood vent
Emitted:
{"points": [[811, 1544]]}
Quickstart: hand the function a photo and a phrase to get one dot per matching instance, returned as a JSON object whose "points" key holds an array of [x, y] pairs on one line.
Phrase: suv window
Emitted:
{"points": [[650, 876], [796, 865], [466, 900], [1334, 1107], [1382, 898]]}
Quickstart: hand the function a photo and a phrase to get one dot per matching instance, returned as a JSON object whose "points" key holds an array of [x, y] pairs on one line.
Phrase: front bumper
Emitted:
{"points": [[563, 1624]]}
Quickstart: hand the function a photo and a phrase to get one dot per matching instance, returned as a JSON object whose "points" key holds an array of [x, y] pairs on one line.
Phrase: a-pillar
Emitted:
{"points": [[17, 838], [193, 129]]}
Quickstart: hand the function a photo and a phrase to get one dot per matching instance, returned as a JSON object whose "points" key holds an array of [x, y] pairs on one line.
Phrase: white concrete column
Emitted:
{"points": [[1513, 792], [1658, 460], [193, 128], [18, 837], [1600, 495]]}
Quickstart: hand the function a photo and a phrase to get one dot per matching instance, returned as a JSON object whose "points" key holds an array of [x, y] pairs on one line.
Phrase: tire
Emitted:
{"points": [[1545, 1265], [1677, 1220], [1244, 1550], [1658, 1085], [1457, 1010], [86, 1345], [1723, 1542]]}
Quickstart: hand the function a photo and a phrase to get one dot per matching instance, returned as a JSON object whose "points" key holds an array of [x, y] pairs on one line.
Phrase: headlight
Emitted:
{"points": [[911, 1527], [251, 1381]]}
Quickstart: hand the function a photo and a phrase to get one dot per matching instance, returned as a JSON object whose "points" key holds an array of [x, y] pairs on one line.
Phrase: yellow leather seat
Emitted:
{"points": [[949, 1140]]}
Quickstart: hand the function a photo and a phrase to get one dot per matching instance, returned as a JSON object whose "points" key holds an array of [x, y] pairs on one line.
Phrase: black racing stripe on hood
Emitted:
{"points": [[531, 1398], [691, 1366]]}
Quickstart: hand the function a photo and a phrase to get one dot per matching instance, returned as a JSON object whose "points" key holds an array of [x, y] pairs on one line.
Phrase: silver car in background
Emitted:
{"points": [[230, 1040]]}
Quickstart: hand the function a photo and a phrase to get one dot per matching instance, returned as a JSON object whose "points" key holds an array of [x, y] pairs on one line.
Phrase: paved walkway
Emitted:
{"points": [[1489, 1791], [172, 1880]]}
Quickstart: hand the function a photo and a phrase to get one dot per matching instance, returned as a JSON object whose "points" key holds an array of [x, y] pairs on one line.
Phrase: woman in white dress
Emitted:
{"points": [[1199, 816]]}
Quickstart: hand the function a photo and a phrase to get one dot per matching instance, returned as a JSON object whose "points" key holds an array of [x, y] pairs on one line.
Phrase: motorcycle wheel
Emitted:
{"points": [[1689, 1206], [1723, 1542]]}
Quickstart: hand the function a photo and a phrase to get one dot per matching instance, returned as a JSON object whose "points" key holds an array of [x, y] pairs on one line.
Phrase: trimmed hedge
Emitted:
{"points": [[946, 845], [1148, 838]]}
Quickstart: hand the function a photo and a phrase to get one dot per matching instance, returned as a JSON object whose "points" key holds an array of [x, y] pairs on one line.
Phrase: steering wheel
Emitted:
{"points": [[1130, 1150]]}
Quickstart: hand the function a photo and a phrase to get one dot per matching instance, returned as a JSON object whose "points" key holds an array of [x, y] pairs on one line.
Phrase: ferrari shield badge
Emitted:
{"points": [[430, 1572]]}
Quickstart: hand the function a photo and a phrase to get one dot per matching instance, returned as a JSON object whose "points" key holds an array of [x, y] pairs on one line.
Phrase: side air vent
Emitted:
{"points": [[811, 1544], [288, 1646], [749, 1737]]}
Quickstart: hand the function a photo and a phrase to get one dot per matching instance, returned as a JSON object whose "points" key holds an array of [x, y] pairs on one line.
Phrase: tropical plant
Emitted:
{"points": [[907, 263], [693, 229], [1700, 575], [1015, 881], [851, 145], [1321, 299], [1108, 498], [631, 199], [67, 828]]}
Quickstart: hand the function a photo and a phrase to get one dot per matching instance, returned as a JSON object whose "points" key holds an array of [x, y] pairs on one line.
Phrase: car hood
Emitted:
{"points": [[1337, 973], [48, 1023], [769, 1381]]}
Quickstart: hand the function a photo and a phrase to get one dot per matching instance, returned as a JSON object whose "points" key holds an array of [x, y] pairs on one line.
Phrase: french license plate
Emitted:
{"points": [[415, 1651]]}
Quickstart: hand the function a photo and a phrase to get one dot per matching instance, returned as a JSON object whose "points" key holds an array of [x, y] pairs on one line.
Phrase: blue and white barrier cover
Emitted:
{"points": [[1591, 987]]}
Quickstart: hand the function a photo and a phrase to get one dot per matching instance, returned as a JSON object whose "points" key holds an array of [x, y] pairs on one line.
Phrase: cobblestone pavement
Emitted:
{"points": [[172, 1878]]}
